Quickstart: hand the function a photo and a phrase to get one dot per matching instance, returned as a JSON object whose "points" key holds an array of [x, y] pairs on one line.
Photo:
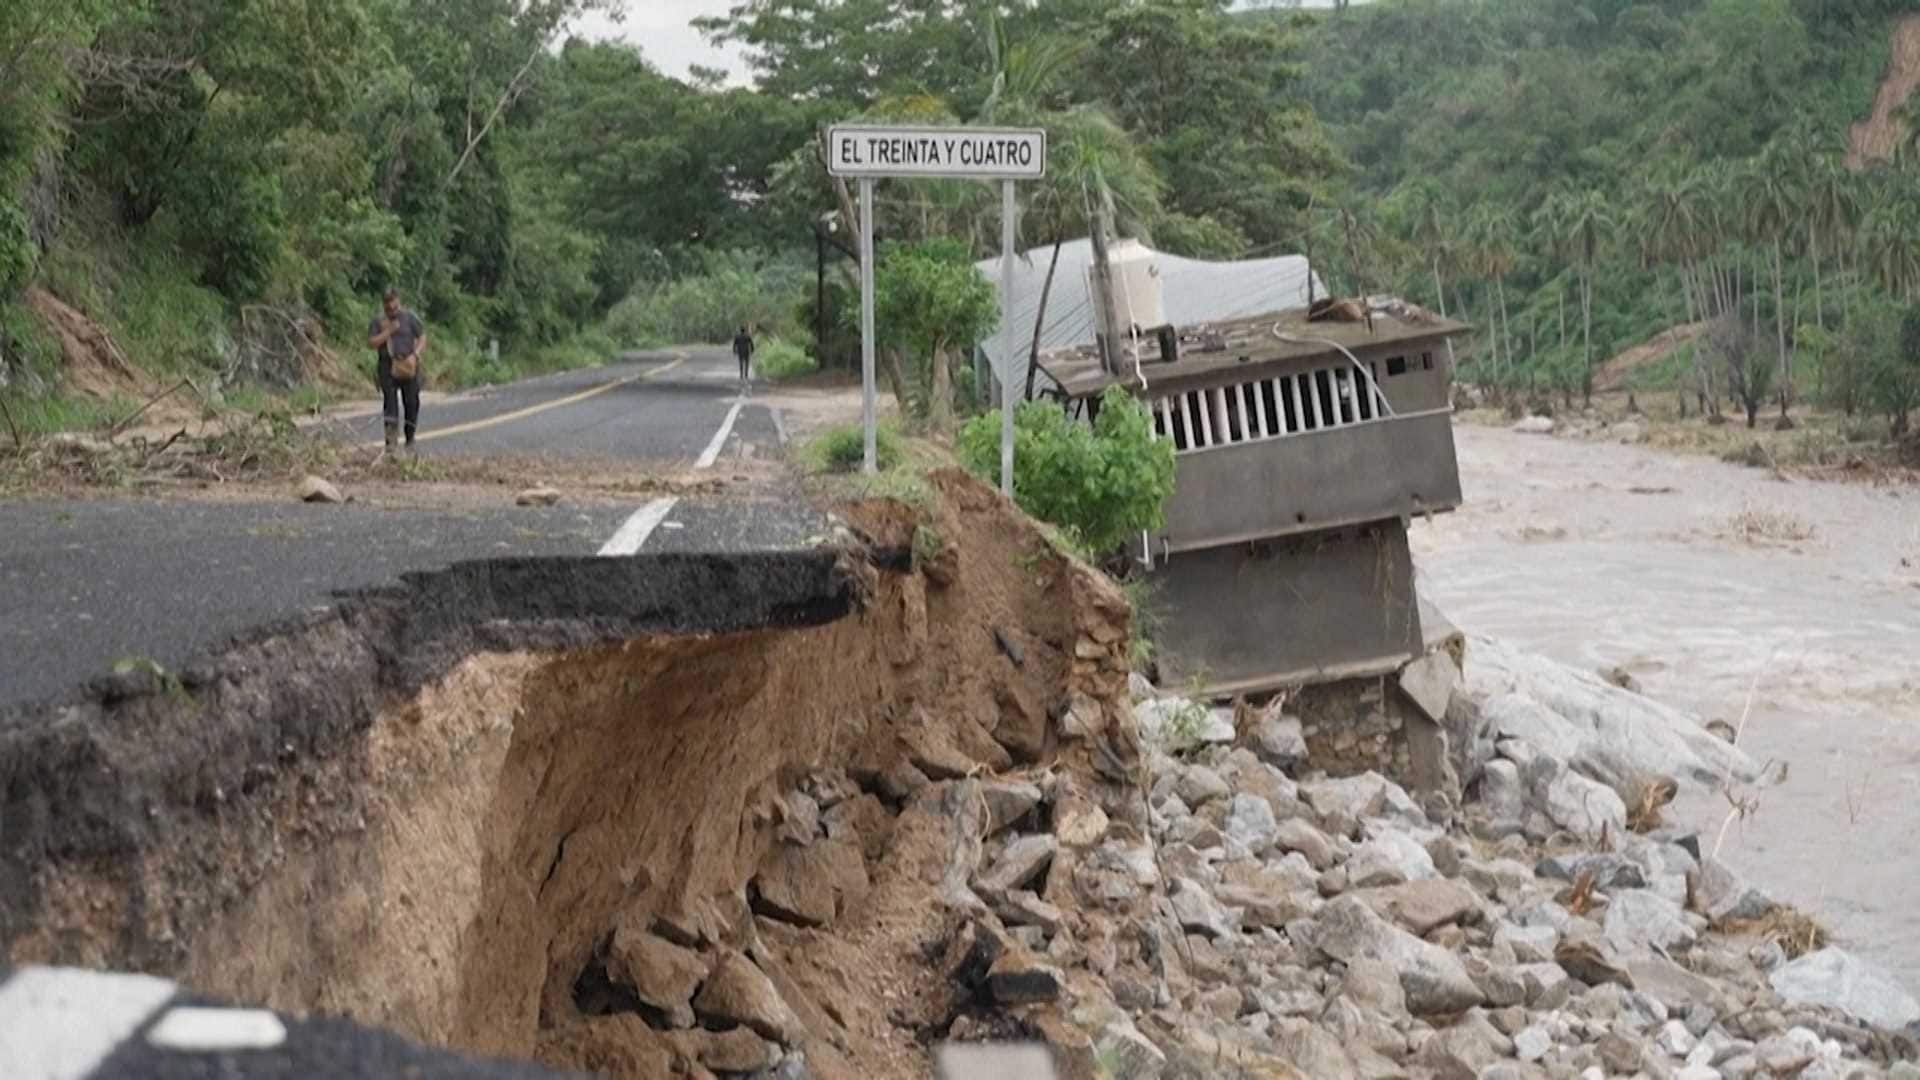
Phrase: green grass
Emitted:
{"points": [[47, 415], [777, 360], [843, 449]]}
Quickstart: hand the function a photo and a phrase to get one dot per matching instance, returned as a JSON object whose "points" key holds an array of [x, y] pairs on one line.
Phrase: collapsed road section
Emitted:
{"points": [[494, 807]]}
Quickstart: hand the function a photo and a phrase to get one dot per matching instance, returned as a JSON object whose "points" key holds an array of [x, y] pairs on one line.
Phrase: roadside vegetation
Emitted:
{"points": [[219, 191]]}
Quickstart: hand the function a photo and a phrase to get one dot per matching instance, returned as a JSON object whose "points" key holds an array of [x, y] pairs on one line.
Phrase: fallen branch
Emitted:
{"points": [[136, 414], [507, 97]]}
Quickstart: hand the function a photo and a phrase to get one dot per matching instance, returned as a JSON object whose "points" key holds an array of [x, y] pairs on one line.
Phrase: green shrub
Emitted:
{"points": [[843, 449], [1101, 484], [778, 359], [731, 288]]}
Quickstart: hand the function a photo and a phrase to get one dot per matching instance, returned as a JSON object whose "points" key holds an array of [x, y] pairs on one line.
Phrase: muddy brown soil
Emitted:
{"points": [[438, 809]]}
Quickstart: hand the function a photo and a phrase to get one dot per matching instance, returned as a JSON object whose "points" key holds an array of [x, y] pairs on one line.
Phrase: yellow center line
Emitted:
{"points": [[490, 421]]}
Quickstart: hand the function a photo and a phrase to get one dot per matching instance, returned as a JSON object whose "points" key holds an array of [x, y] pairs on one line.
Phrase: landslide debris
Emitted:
{"points": [[816, 818]]}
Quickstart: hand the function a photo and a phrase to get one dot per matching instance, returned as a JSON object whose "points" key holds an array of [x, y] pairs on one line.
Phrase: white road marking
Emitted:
{"points": [[636, 529], [200, 1030], [712, 452], [634, 532], [61, 1023]]}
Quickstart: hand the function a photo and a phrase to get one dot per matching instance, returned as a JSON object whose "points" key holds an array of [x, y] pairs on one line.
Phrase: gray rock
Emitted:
{"points": [[1198, 785], [1431, 977], [1116, 871], [1429, 683], [1390, 858], [1535, 425], [1199, 912], [1722, 894], [1019, 864], [1500, 790], [1696, 1072], [1638, 919], [542, 495], [1674, 1040], [1586, 808], [1299, 835], [1279, 741], [1561, 710], [1532, 1044], [1785, 1055], [1422, 906], [1250, 823], [1530, 944], [1008, 801], [1130, 1055], [1700, 1020], [313, 489], [1364, 797], [1841, 980], [1622, 1055], [1022, 908]]}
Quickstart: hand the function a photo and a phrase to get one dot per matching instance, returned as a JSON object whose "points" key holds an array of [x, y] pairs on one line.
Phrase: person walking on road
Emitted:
{"points": [[743, 350], [400, 339]]}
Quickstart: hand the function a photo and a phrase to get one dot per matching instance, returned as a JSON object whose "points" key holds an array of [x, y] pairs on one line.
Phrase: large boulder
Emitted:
{"points": [[1570, 714], [1837, 978], [1432, 978]]}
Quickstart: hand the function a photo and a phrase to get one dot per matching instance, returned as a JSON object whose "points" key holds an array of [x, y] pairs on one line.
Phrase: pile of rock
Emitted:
{"points": [[1262, 920]]}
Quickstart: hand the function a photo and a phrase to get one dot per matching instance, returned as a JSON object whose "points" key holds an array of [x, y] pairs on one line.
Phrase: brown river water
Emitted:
{"points": [[1717, 585]]}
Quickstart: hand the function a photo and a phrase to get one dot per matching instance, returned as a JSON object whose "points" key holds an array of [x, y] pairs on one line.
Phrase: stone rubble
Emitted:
{"points": [[1257, 915]]}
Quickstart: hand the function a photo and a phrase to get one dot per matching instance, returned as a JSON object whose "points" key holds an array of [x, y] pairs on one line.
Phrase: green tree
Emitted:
{"points": [[928, 299]]}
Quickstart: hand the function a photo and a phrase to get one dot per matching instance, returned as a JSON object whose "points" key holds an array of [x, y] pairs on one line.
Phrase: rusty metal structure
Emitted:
{"points": [[1304, 444]]}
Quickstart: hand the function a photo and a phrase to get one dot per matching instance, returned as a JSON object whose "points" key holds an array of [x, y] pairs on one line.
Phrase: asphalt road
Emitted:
{"points": [[85, 584]]}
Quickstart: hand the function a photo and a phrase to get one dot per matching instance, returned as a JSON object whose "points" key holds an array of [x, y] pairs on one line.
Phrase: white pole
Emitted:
{"points": [[871, 461], [1007, 381]]}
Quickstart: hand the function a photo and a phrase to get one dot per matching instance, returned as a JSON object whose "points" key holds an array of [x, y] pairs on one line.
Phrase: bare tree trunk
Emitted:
{"points": [[896, 377], [1500, 288], [1819, 303], [1040, 318], [1780, 331], [940, 394], [1586, 332]]}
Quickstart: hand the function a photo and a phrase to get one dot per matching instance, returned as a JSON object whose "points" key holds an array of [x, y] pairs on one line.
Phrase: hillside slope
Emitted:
{"points": [[1874, 138]]}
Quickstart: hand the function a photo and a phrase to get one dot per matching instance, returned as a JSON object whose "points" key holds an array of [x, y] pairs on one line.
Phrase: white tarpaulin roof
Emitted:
{"points": [[1192, 290]]}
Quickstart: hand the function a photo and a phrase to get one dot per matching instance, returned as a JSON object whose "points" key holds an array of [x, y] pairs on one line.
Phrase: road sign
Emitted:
{"points": [[867, 150]]}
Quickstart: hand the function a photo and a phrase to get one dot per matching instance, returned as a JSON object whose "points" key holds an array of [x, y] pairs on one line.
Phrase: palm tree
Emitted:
{"points": [[1766, 189], [1578, 226], [1495, 240]]}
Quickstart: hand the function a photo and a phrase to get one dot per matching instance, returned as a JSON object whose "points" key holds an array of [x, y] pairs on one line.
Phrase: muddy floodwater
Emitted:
{"points": [[1716, 585]]}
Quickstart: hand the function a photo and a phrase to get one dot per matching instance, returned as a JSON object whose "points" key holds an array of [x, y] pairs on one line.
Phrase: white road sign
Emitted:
{"points": [[979, 153]]}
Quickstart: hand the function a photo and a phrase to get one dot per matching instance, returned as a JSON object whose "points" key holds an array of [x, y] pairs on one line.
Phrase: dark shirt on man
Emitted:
{"points": [[408, 330]]}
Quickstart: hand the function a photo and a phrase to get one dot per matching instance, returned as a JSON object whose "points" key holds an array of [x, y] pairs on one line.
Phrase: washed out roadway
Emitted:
{"points": [[87, 583]]}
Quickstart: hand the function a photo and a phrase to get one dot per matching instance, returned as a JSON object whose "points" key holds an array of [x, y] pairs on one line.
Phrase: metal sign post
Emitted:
{"points": [[871, 461], [867, 152]]}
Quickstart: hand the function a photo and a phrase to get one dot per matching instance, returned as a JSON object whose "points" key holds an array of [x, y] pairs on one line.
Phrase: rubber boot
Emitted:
{"points": [[393, 434]]}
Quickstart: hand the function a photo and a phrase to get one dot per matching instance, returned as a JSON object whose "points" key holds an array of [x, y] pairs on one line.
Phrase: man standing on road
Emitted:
{"points": [[743, 349], [401, 339]]}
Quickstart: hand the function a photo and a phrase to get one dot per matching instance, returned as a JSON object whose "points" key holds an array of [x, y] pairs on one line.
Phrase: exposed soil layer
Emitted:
{"points": [[494, 807], [1875, 138]]}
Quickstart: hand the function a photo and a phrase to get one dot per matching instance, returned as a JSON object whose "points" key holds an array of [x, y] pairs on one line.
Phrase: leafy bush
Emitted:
{"points": [[1101, 484], [843, 449], [779, 359], [731, 288]]}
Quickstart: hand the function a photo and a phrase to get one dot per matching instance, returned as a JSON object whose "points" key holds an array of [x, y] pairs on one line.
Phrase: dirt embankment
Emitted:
{"points": [[560, 809], [1875, 138]]}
